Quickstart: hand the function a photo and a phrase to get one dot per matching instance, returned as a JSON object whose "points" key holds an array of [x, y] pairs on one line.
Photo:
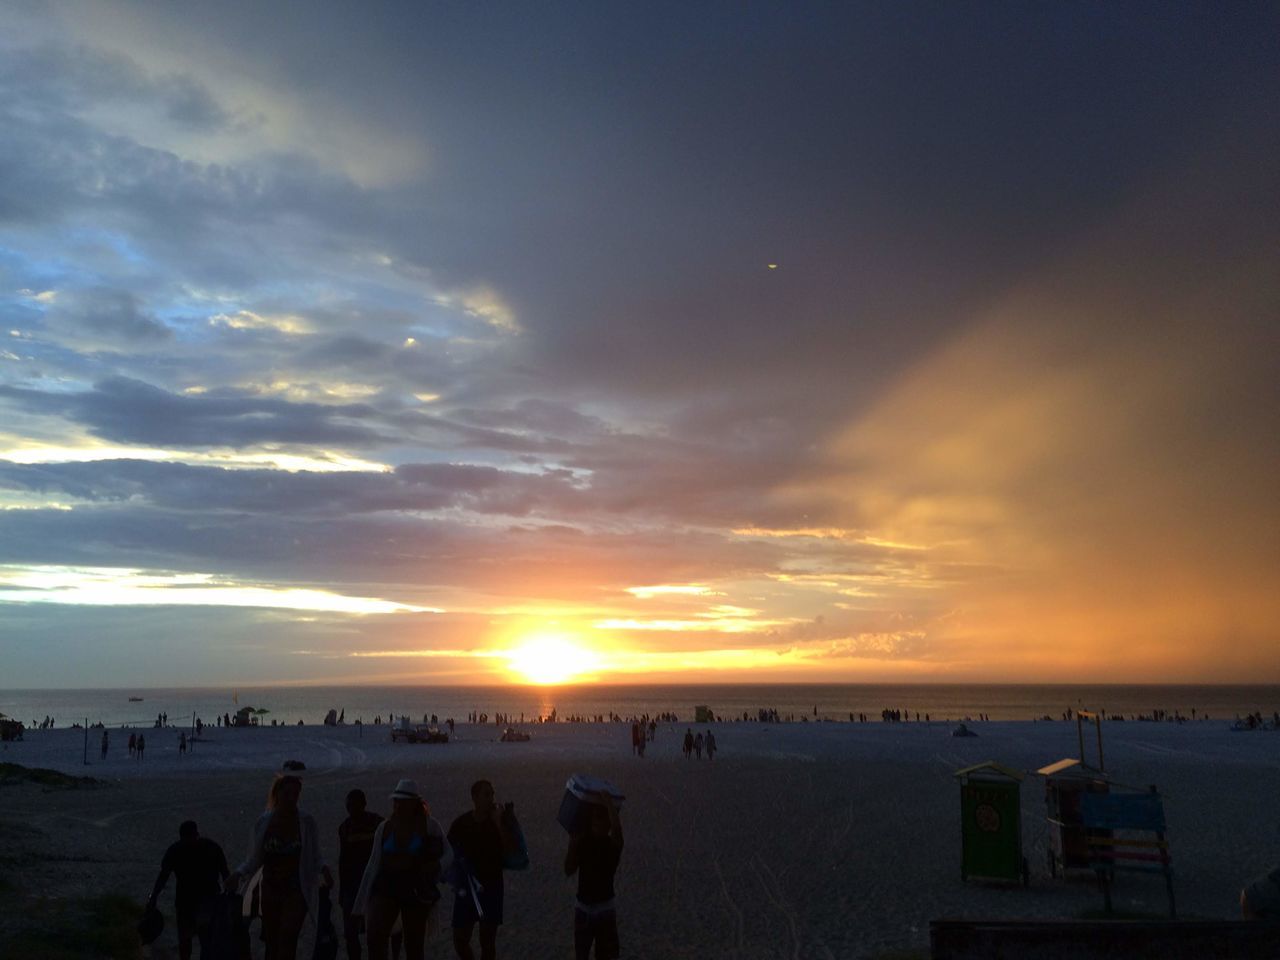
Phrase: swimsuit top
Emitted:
{"points": [[389, 843]]}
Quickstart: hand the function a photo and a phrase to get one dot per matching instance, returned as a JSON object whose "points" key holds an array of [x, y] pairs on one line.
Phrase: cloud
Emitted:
{"points": [[94, 318], [130, 411], [1097, 450]]}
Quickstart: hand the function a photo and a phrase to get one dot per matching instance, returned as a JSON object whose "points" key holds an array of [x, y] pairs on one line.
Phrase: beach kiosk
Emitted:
{"points": [[991, 823], [1066, 783]]}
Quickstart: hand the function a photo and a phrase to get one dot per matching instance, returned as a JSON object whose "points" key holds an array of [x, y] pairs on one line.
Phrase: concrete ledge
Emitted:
{"points": [[1099, 939]]}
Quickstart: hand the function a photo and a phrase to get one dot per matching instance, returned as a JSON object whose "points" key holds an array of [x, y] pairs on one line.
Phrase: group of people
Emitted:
{"points": [[694, 744], [389, 872]]}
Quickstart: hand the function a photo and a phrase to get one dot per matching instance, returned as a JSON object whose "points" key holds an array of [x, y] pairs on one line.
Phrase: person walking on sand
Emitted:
{"points": [[199, 864], [142, 745], [182, 744], [104, 744], [593, 855], [400, 878], [697, 745], [355, 845], [284, 862], [688, 744], [710, 744], [480, 840], [133, 744]]}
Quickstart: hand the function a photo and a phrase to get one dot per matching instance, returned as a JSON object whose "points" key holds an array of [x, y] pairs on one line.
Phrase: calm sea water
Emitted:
{"points": [[289, 704]]}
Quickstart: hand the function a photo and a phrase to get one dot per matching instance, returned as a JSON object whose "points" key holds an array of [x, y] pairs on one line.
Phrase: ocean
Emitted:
{"points": [[289, 704]]}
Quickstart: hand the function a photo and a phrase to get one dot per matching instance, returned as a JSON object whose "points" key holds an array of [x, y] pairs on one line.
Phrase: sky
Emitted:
{"points": [[709, 342]]}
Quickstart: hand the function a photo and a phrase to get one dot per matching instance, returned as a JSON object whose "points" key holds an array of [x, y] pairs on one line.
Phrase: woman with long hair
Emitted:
{"points": [[284, 863], [400, 879]]}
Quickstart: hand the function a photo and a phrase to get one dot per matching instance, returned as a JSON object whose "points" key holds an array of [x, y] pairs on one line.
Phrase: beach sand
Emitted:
{"points": [[813, 840]]}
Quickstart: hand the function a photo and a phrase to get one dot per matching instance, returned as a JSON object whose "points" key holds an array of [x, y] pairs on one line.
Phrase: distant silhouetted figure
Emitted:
{"points": [[594, 856], [200, 865], [104, 744], [710, 744], [182, 744], [697, 746], [142, 745], [133, 744], [688, 744]]}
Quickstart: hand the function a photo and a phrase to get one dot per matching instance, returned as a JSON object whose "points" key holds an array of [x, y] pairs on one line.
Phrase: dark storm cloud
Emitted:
{"points": [[131, 411]]}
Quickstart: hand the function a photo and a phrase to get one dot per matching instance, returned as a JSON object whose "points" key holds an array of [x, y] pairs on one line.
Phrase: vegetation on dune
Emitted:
{"points": [[102, 927], [14, 773]]}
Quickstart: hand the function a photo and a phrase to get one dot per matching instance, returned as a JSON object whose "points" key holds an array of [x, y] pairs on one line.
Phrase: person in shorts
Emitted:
{"points": [[593, 855], [480, 840]]}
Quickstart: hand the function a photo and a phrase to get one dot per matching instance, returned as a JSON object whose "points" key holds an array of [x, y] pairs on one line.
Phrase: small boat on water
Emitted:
{"points": [[135, 699]]}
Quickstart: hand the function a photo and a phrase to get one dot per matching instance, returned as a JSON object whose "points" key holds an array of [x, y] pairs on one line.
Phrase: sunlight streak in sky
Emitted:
{"points": [[112, 586]]}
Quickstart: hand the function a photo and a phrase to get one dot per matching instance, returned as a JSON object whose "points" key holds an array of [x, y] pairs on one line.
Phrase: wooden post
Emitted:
{"points": [[1097, 722], [1168, 874]]}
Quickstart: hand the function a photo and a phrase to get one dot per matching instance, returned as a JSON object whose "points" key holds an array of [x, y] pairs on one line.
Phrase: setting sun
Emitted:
{"points": [[549, 659]]}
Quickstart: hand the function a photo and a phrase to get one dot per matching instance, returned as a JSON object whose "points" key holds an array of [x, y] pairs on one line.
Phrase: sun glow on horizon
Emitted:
{"points": [[549, 658]]}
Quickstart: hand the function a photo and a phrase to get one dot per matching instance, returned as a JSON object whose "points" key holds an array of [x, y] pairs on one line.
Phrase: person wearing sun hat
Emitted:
{"points": [[400, 879], [284, 862]]}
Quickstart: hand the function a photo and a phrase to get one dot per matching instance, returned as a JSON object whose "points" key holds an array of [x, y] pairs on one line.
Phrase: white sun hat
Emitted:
{"points": [[406, 790]]}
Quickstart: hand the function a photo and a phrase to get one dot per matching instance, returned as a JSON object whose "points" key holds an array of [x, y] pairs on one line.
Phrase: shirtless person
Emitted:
{"points": [[593, 855]]}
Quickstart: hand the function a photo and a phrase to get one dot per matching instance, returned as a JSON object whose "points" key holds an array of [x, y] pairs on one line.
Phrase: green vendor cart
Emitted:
{"points": [[991, 823]]}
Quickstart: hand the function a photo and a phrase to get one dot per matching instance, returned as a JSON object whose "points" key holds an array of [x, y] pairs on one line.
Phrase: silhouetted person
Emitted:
{"points": [[199, 865], [594, 856], [479, 840], [285, 845], [142, 745], [355, 844], [399, 882], [710, 744], [104, 744], [688, 744]]}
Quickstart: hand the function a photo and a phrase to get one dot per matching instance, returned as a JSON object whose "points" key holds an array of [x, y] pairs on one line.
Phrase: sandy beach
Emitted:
{"points": [[813, 840]]}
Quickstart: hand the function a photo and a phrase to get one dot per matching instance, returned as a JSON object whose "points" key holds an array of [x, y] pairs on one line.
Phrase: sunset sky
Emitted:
{"points": [[717, 342]]}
